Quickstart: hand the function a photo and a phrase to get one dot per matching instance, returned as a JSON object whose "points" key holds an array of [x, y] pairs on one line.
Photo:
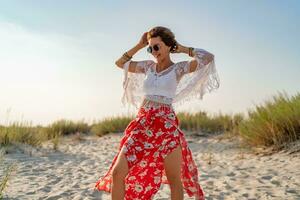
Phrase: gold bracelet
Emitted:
{"points": [[191, 49], [125, 59], [127, 56]]}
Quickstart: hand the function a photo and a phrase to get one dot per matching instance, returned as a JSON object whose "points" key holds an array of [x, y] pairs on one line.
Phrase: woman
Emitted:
{"points": [[153, 149]]}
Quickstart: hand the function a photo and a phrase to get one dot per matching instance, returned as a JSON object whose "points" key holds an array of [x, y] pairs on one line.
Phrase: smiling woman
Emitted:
{"points": [[153, 149], [161, 42]]}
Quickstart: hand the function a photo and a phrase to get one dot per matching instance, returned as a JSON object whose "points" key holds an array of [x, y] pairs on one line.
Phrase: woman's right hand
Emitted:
{"points": [[143, 41]]}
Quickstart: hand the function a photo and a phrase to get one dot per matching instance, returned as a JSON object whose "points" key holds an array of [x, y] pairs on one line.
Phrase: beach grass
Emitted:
{"points": [[20, 132], [6, 173], [209, 123], [274, 123], [111, 125]]}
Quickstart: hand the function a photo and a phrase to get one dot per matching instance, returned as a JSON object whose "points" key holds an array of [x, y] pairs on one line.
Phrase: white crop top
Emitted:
{"points": [[163, 83], [172, 84]]}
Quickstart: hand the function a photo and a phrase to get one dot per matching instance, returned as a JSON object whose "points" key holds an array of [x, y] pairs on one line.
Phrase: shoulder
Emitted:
{"points": [[145, 63], [181, 65], [149, 62], [137, 66]]}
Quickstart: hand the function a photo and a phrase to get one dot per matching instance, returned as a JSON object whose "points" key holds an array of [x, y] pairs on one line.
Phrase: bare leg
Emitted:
{"points": [[119, 173], [172, 164]]}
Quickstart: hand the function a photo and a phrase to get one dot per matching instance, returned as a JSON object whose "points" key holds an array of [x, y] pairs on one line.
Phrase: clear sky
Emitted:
{"points": [[57, 57]]}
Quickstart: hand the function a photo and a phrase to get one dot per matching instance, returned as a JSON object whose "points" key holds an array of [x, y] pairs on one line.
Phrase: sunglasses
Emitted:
{"points": [[155, 48]]}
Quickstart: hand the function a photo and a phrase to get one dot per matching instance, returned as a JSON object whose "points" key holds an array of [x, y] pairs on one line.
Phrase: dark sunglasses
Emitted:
{"points": [[155, 48]]}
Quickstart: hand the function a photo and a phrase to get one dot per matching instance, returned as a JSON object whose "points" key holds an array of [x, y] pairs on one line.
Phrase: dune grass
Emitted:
{"points": [[66, 127], [6, 173], [202, 121], [111, 125], [275, 123], [20, 132]]}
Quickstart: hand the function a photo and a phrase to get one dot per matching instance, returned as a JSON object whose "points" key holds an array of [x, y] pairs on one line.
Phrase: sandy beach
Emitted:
{"points": [[226, 170]]}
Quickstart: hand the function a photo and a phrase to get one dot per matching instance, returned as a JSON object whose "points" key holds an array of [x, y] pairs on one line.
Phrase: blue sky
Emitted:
{"points": [[57, 57]]}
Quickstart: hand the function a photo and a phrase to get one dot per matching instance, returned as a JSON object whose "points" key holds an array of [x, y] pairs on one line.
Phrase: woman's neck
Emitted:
{"points": [[164, 64]]}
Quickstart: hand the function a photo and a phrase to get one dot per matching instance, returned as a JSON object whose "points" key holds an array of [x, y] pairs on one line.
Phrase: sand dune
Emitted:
{"points": [[227, 171]]}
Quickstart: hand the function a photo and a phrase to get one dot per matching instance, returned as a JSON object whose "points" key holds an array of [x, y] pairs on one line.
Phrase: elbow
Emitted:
{"points": [[212, 57], [209, 58], [118, 64]]}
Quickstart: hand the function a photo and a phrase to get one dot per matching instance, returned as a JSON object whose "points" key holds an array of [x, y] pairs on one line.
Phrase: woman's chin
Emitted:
{"points": [[158, 58]]}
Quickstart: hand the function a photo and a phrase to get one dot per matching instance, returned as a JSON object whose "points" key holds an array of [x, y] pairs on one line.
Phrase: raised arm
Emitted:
{"points": [[200, 57], [133, 65]]}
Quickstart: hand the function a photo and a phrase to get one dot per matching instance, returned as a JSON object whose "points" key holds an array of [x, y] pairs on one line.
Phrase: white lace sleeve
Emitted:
{"points": [[141, 66], [195, 84], [133, 83], [182, 68]]}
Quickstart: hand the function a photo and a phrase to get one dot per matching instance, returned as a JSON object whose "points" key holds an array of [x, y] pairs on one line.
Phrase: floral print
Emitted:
{"points": [[147, 140]]}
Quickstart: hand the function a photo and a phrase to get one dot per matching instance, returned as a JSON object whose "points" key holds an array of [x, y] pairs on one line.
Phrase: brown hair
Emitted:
{"points": [[166, 35]]}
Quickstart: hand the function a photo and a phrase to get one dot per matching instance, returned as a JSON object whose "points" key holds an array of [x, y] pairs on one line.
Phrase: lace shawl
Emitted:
{"points": [[190, 84], [133, 83]]}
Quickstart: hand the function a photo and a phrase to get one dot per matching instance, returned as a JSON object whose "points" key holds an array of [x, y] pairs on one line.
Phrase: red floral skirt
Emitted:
{"points": [[147, 140]]}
